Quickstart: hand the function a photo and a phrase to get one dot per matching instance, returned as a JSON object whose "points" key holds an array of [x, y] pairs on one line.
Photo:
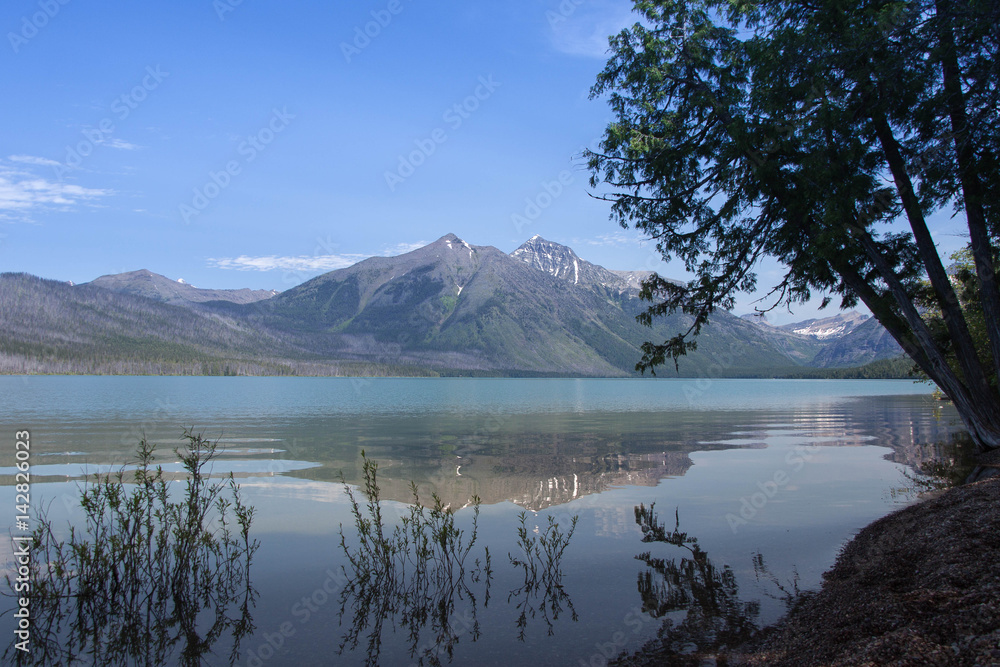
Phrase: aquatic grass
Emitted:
{"points": [[414, 573], [541, 563], [146, 579]]}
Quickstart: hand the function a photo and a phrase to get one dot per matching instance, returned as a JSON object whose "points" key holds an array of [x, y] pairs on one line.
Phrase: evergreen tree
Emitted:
{"points": [[822, 135]]}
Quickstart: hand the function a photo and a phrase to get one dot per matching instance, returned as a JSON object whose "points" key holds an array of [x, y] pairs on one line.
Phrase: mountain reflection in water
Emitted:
{"points": [[541, 461], [547, 448]]}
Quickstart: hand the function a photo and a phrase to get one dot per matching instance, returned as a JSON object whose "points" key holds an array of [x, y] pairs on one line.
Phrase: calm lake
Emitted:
{"points": [[771, 477]]}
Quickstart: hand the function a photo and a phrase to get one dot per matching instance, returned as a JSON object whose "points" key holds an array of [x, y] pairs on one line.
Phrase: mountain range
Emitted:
{"points": [[446, 308], [160, 288]]}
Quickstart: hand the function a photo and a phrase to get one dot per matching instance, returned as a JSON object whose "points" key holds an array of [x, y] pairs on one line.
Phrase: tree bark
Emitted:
{"points": [[972, 189], [979, 414], [951, 310], [985, 435]]}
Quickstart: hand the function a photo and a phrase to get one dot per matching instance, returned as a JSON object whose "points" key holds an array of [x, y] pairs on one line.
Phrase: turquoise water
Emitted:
{"points": [[786, 470], [91, 398]]}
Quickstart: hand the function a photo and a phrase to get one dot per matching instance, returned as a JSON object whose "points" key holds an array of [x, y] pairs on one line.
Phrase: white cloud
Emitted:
{"points": [[582, 29], [121, 145], [616, 239], [402, 248], [23, 191], [36, 161], [304, 263]]}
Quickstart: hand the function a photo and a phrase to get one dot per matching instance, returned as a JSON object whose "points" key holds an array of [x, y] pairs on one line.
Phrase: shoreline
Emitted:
{"points": [[920, 586]]}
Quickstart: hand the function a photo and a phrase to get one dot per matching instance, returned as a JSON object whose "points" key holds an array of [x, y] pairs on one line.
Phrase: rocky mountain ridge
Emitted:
{"points": [[449, 307], [160, 288]]}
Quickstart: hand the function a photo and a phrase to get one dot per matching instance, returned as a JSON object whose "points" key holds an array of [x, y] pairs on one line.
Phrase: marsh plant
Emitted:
{"points": [[151, 577], [414, 575], [540, 561]]}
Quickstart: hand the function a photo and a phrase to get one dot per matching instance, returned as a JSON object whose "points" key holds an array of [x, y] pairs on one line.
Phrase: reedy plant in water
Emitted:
{"points": [[413, 573], [147, 579], [541, 563]]}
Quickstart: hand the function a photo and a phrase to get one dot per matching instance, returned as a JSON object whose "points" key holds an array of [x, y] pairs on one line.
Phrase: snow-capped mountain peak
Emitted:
{"points": [[562, 262], [828, 328], [552, 258]]}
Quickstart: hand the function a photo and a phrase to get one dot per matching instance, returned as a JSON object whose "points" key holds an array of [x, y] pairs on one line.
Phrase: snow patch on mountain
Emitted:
{"points": [[823, 332], [828, 328], [562, 262]]}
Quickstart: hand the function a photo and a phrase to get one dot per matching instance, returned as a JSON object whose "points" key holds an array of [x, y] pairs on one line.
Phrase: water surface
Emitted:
{"points": [[780, 471]]}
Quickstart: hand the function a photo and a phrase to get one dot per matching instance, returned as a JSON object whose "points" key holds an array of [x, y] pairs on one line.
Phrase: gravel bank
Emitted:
{"points": [[918, 587]]}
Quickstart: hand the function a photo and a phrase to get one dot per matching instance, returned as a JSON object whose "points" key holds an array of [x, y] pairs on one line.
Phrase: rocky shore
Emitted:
{"points": [[918, 587]]}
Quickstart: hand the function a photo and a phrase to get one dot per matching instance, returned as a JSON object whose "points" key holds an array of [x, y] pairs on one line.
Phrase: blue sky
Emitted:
{"points": [[243, 143]]}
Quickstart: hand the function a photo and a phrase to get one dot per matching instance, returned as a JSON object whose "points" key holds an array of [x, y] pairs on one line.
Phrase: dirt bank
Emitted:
{"points": [[918, 587]]}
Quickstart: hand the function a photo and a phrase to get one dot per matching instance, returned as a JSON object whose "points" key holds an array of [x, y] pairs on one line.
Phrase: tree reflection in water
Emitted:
{"points": [[541, 563], [147, 580], [698, 601]]}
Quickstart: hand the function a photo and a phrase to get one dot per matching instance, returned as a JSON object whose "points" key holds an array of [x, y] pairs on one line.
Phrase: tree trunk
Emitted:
{"points": [[979, 413], [984, 433], [972, 190], [951, 310]]}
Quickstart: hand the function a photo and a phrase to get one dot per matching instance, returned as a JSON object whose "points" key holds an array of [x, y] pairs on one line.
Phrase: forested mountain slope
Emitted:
{"points": [[447, 308]]}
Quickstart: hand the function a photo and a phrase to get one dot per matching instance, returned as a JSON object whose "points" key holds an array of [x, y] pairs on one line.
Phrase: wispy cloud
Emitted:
{"points": [[304, 263], [22, 191], [615, 239], [35, 161], [402, 248], [582, 27], [120, 144]]}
